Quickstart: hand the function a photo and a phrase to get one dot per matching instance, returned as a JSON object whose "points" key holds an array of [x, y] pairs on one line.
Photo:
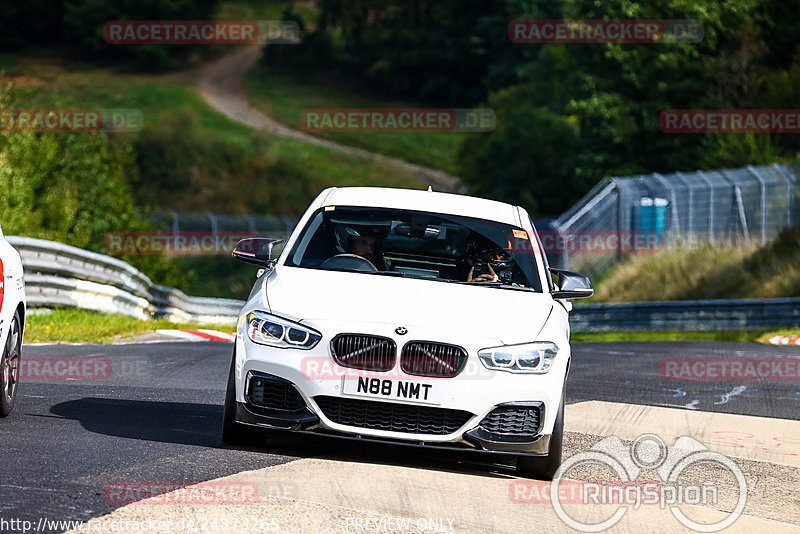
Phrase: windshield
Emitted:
{"points": [[417, 244]]}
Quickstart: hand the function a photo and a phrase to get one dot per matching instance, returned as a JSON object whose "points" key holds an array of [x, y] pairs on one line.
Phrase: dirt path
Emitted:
{"points": [[220, 84]]}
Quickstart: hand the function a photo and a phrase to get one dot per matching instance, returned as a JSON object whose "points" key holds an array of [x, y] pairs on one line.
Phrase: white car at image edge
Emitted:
{"points": [[413, 317], [12, 323]]}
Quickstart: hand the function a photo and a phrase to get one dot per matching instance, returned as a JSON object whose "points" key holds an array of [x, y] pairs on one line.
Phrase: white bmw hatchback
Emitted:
{"points": [[12, 323], [410, 316]]}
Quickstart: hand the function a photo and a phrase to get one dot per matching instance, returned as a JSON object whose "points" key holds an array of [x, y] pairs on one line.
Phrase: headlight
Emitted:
{"points": [[526, 358], [267, 329]]}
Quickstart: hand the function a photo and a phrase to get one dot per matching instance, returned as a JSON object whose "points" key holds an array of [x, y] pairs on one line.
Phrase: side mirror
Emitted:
{"points": [[257, 250], [572, 285]]}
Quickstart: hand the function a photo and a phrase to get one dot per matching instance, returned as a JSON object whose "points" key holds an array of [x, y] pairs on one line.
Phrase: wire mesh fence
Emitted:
{"points": [[647, 213], [256, 225], [619, 216]]}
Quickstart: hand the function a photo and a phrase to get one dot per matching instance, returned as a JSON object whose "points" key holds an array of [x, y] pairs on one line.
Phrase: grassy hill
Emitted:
{"points": [[189, 157], [708, 272], [284, 174]]}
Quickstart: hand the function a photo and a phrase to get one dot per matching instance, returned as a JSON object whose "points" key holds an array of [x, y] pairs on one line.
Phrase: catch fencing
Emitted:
{"points": [[264, 225], [720, 206]]}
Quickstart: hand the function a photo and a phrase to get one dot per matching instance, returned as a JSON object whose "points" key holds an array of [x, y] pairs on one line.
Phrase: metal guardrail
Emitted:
{"points": [[58, 275], [701, 315]]}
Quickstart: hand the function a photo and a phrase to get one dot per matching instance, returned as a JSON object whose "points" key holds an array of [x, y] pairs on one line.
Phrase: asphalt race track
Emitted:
{"points": [[632, 373], [156, 417]]}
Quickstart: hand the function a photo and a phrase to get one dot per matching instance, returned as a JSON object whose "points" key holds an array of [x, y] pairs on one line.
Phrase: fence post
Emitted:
{"points": [[620, 222], [752, 170], [213, 219], [737, 194], [673, 205], [789, 192], [251, 224]]}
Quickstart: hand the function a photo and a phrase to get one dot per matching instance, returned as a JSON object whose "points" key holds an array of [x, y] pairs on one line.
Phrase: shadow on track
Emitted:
{"points": [[167, 422], [200, 425]]}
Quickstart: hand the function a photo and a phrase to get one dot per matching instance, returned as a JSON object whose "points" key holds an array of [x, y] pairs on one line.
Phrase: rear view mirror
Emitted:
{"points": [[572, 285], [257, 251]]}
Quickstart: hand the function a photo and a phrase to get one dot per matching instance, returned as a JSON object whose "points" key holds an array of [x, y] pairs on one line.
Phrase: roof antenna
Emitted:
{"points": [[430, 188]]}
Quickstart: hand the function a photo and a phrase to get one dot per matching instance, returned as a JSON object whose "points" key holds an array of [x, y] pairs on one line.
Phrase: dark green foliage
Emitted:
{"points": [[78, 25], [571, 114]]}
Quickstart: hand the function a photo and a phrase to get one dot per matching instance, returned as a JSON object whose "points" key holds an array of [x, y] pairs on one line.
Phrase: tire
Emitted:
{"points": [[234, 433], [545, 467], [10, 366]]}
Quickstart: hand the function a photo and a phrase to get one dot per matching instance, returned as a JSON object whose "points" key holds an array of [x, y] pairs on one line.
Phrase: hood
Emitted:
{"points": [[314, 295]]}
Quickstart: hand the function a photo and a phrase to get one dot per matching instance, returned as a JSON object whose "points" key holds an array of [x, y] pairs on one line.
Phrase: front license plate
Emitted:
{"points": [[403, 390]]}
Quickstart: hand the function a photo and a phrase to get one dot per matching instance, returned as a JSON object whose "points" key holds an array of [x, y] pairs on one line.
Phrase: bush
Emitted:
{"points": [[528, 158]]}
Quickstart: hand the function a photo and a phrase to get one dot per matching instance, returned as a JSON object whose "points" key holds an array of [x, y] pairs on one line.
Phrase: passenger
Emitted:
{"points": [[495, 254]]}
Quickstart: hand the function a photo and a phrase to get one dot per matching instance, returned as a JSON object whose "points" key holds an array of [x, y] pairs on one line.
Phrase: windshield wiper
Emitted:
{"points": [[388, 273]]}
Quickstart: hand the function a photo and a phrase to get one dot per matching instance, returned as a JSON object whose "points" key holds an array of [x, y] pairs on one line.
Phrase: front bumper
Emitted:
{"points": [[473, 440], [509, 428]]}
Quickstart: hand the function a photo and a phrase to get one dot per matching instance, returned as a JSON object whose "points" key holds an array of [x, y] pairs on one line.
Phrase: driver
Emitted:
{"points": [[364, 246]]}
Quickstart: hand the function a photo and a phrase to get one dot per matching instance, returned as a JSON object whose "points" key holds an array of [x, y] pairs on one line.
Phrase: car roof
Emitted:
{"points": [[418, 200]]}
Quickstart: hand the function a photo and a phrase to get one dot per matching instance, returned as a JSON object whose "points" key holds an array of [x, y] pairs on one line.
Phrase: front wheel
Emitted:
{"points": [[545, 467], [9, 367]]}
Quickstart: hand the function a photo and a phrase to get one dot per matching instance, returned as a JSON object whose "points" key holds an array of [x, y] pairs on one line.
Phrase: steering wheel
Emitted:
{"points": [[348, 262]]}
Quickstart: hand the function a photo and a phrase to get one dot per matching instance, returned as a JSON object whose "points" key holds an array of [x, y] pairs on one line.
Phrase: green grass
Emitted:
{"points": [[79, 326], [285, 95], [706, 271], [734, 336]]}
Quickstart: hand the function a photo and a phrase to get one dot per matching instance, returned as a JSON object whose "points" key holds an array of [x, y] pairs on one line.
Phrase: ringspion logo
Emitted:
{"points": [[674, 490]]}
